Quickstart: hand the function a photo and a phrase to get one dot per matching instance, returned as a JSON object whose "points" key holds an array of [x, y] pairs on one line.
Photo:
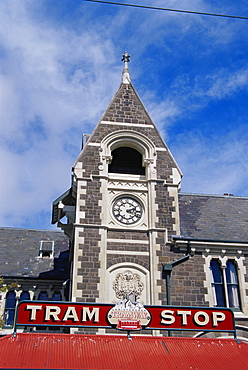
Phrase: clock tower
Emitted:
{"points": [[122, 207]]}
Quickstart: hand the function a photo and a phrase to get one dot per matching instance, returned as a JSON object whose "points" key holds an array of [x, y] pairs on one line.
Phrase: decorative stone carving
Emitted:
{"points": [[127, 284], [127, 184], [107, 158], [148, 161]]}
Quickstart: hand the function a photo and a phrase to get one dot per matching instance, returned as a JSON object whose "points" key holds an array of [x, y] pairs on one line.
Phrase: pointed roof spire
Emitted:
{"points": [[125, 74]]}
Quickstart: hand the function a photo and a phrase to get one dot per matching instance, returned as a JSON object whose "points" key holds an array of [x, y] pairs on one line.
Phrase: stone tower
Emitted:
{"points": [[122, 208]]}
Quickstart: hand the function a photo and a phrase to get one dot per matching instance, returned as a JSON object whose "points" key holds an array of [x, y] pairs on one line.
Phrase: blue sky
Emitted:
{"points": [[61, 64]]}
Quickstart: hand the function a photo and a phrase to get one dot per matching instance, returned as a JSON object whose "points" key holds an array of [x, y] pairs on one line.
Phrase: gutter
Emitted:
{"points": [[182, 238], [208, 246]]}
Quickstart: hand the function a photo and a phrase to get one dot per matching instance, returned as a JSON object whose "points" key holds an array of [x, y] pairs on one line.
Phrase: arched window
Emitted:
{"points": [[9, 314], [43, 296], [225, 285], [217, 284], [56, 297], [25, 296], [126, 160], [232, 285]]}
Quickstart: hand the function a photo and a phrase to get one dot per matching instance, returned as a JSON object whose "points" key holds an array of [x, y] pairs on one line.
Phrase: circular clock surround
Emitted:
{"points": [[127, 210]]}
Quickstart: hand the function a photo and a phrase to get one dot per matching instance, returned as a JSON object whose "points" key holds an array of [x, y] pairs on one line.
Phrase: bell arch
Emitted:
{"points": [[126, 160], [137, 144]]}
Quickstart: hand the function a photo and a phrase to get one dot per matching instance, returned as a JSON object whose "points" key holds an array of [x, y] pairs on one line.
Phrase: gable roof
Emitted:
{"points": [[214, 217], [126, 111], [66, 351], [19, 253]]}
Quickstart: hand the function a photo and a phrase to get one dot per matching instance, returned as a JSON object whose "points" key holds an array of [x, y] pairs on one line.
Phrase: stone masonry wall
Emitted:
{"points": [[187, 280], [89, 265]]}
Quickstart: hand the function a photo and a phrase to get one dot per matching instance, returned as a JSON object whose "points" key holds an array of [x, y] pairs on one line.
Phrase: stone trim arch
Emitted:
{"points": [[144, 274], [130, 139]]}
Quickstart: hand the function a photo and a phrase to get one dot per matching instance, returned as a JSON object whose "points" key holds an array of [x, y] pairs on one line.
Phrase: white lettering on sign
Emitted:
{"points": [[218, 317], [90, 314], [184, 315], [129, 314], [52, 312], [33, 309], [167, 317], [70, 314], [180, 318], [201, 318], [205, 316]]}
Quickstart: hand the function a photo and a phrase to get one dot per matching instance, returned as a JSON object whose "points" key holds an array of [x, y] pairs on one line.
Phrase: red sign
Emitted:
{"points": [[36, 313], [62, 314], [191, 318], [129, 325]]}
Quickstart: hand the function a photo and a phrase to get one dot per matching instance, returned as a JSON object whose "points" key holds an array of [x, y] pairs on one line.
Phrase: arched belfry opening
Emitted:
{"points": [[126, 160]]}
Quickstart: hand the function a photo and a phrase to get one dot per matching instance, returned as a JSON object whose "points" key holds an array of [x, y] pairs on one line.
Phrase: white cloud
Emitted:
{"points": [[225, 83], [163, 114], [53, 84], [186, 95], [215, 166], [57, 75]]}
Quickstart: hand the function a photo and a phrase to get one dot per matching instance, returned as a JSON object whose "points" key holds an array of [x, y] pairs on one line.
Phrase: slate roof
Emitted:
{"points": [[210, 217], [19, 254], [213, 217]]}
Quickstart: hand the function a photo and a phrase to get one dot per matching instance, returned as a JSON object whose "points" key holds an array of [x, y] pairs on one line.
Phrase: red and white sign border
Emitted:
{"points": [[49, 313]]}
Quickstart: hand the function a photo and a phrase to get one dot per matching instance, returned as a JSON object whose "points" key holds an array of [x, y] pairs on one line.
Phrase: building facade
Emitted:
{"points": [[132, 234]]}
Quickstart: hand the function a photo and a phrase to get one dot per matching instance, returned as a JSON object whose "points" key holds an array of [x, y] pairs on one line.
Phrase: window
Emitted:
{"points": [[126, 160], [225, 285], [25, 296], [56, 297], [46, 248], [232, 285], [9, 314], [43, 296]]}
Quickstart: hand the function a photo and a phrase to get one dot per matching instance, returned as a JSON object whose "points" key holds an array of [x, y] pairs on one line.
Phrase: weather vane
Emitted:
{"points": [[125, 58], [125, 73]]}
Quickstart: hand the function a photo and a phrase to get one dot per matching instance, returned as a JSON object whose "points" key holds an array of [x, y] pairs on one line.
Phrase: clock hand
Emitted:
{"points": [[130, 210]]}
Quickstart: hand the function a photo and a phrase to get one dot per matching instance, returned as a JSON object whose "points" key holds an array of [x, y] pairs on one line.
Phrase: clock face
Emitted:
{"points": [[127, 210]]}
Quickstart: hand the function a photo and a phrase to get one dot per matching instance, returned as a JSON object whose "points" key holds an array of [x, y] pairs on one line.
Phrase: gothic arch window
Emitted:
{"points": [[225, 284], [9, 313], [128, 152], [25, 296], [57, 296], [126, 160], [43, 296]]}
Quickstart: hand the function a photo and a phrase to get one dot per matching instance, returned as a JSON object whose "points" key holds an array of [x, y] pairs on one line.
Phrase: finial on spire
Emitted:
{"points": [[125, 59], [125, 74]]}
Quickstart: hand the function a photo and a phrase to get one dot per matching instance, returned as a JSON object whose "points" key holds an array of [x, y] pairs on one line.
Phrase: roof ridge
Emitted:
{"points": [[215, 195], [29, 229]]}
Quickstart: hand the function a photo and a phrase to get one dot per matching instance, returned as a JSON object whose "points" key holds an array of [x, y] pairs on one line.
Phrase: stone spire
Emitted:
{"points": [[125, 74]]}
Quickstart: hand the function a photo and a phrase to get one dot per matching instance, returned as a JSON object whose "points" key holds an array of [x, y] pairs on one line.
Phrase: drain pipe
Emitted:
{"points": [[167, 269]]}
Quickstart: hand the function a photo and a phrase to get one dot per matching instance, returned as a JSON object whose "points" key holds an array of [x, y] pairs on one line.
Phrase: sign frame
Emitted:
{"points": [[162, 317]]}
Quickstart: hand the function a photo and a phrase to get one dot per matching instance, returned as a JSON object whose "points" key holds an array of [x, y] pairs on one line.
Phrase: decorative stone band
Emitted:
{"points": [[126, 124]]}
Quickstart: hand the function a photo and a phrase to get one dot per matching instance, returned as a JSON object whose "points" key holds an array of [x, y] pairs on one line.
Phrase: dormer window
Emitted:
{"points": [[46, 249], [126, 160]]}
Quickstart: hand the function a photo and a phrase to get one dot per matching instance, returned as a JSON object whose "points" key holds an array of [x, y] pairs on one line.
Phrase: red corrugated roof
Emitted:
{"points": [[66, 351]]}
